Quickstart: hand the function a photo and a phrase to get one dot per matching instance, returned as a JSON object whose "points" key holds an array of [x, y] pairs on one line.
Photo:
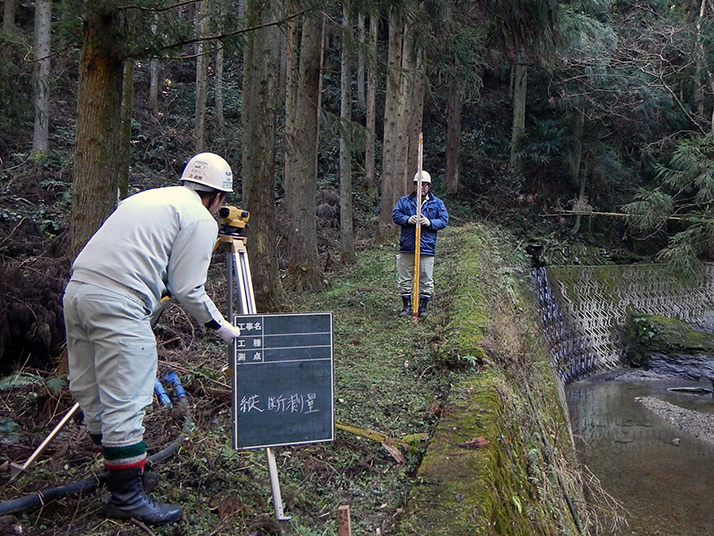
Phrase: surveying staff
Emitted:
{"points": [[156, 243], [433, 217]]}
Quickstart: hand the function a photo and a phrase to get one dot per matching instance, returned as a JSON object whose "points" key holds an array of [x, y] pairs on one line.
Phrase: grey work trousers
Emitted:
{"points": [[405, 274], [112, 360]]}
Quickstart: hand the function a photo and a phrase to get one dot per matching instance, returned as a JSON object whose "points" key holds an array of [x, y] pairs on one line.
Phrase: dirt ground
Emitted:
{"points": [[33, 400]]}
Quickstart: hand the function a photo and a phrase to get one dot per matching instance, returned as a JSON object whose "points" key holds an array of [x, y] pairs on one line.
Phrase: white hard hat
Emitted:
{"points": [[425, 177], [210, 170]]}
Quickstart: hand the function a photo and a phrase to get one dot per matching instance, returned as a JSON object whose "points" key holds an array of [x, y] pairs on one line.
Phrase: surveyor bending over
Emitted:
{"points": [[156, 243]]}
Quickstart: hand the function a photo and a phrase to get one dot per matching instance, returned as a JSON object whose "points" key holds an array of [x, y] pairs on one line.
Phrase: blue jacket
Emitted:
{"points": [[433, 208]]}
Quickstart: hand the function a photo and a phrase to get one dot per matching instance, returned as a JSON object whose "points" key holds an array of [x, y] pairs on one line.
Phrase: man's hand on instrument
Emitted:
{"points": [[228, 331], [413, 219], [425, 221]]}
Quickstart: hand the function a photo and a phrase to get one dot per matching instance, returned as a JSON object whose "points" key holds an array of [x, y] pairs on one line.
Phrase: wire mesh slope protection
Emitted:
{"points": [[582, 308]]}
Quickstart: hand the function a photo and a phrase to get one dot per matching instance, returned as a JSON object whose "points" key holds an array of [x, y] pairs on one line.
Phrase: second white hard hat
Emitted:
{"points": [[210, 170], [425, 177]]}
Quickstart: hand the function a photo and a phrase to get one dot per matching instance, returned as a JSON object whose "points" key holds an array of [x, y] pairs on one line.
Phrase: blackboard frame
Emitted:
{"points": [[283, 380]]}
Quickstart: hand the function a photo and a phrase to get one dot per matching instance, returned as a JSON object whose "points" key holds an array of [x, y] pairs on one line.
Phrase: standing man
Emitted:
{"points": [[156, 243], [433, 217]]}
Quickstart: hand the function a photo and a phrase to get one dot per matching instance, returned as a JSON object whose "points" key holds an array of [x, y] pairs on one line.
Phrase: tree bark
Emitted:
{"points": [[406, 116], [291, 91], [8, 22], [361, 97], [346, 230], [519, 115], [218, 89], [577, 150], [699, 59], [218, 114], [154, 77], [576, 159], [371, 106], [414, 84], [127, 107], [43, 20], [453, 139], [320, 86], [304, 270], [260, 75], [96, 154], [389, 178], [199, 131], [581, 199], [702, 69]]}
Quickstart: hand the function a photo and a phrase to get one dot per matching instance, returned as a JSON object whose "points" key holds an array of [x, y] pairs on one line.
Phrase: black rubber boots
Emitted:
{"points": [[129, 499], [407, 301], [423, 301]]}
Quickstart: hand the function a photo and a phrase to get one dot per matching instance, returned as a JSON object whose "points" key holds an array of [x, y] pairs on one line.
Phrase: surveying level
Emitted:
{"points": [[233, 221], [232, 239]]}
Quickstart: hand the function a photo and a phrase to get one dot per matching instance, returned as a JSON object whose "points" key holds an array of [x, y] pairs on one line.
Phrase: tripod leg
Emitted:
{"points": [[240, 277], [230, 271], [247, 278], [239, 267]]}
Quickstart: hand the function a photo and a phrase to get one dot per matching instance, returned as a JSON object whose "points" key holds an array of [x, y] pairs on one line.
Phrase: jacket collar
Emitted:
{"points": [[425, 198]]}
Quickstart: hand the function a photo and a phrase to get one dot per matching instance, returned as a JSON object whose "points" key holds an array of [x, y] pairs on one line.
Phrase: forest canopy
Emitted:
{"points": [[578, 125]]}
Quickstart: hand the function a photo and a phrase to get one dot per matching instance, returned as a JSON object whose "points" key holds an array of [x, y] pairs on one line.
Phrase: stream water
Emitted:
{"points": [[662, 476]]}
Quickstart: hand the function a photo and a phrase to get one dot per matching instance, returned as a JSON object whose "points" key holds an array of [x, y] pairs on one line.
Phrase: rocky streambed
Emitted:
{"points": [[692, 422], [699, 424], [648, 438]]}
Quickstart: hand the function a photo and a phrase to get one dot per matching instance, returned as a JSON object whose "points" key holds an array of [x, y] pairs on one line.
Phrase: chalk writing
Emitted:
{"points": [[294, 403], [250, 403]]}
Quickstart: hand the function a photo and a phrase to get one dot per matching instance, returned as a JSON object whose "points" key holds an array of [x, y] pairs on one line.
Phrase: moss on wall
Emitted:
{"points": [[593, 305], [644, 335]]}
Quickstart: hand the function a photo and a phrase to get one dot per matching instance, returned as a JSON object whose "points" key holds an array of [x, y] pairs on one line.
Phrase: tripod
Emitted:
{"points": [[232, 240]]}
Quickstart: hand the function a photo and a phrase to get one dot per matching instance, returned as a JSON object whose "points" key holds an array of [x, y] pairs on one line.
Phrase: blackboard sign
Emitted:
{"points": [[283, 380]]}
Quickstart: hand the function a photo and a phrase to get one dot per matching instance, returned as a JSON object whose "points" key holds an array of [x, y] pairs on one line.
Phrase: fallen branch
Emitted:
{"points": [[387, 442]]}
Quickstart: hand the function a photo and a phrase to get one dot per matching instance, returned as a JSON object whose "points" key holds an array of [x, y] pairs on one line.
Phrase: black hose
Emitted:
{"points": [[40, 498]]}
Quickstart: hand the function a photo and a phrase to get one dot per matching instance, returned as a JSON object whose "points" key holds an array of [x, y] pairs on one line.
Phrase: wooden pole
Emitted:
{"points": [[417, 233], [15, 469], [343, 521], [595, 213]]}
